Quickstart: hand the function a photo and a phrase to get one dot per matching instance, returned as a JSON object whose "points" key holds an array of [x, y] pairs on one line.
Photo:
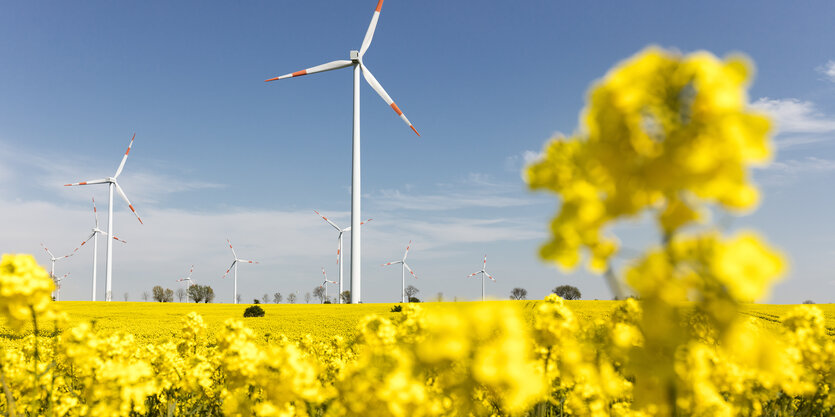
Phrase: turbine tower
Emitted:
{"points": [[58, 281], [339, 248], [95, 237], [235, 267], [111, 184], [326, 282], [403, 269], [358, 66], [483, 273]]}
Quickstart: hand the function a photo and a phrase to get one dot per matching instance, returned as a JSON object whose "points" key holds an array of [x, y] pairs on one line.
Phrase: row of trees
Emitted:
{"points": [[196, 293], [567, 292]]}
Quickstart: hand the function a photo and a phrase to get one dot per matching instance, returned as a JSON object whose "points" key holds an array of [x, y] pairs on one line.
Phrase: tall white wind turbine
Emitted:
{"points": [[483, 273], [403, 269], [326, 282], [358, 66], [53, 259], [111, 184], [95, 237], [339, 248], [235, 267]]}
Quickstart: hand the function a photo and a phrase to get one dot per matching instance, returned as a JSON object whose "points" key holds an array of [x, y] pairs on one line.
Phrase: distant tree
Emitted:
{"points": [[181, 293], [291, 298], [145, 295], [808, 302], [277, 298], [169, 296], [440, 297], [307, 298], [238, 298], [196, 293], [254, 311], [319, 292], [411, 291], [256, 301], [414, 300], [265, 298], [518, 293], [126, 296], [208, 294], [567, 292], [159, 294], [346, 296]]}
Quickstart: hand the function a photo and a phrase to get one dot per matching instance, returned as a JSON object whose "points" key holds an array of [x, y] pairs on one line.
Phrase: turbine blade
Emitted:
{"points": [[47, 251], [189, 272], [338, 250], [312, 70], [369, 34], [324, 274], [233, 249], [379, 89], [407, 251], [484, 266], [392, 263], [95, 212], [230, 268], [87, 240], [124, 158], [348, 229], [122, 193], [101, 181], [490, 276], [114, 237], [410, 270], [328, 220], [245, 261], [473, 274]]}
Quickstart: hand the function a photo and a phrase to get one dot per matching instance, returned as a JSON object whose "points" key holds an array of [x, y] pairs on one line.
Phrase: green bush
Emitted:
{"points": [[397, 308], [254, 311]]}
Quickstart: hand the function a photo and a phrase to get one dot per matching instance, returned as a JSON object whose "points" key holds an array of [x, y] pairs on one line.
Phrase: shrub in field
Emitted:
{"points": [[397, 308], [254, 311]]}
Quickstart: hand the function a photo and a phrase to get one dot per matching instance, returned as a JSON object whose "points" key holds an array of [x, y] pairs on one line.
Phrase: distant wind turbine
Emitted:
{"points": [[358, 65], [58, 281], [403, 269], [235, 267], [53, 259], [483, 273], [339, 248], [326, 282], [95, 237], [188, 278], [111, 181]]}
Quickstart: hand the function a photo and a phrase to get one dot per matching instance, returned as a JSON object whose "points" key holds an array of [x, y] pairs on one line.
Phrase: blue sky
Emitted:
{"points": [[220, 154]]}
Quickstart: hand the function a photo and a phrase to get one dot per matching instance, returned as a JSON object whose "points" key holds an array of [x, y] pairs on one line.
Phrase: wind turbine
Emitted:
{"points": [[111, 184], [325, 282], [403, 272], [58, 285], [95, 237], [483, 273], [339, 248], [53, 259], [188, 278], [358, 66], [235, 266]]}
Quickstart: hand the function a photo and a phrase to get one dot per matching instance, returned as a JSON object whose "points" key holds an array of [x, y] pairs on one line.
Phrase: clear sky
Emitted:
{"points": [[220, 154]]}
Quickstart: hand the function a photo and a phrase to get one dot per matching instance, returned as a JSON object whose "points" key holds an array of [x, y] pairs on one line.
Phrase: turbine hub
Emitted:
{"points": [[355, 56]]}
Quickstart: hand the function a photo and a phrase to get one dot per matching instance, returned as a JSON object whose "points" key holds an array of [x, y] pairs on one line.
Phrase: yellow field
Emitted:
{"points": [[155, 322]]}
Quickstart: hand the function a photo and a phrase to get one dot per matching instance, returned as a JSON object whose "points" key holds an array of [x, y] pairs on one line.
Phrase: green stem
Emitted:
{"points": [[35, 358], [9, 398]]}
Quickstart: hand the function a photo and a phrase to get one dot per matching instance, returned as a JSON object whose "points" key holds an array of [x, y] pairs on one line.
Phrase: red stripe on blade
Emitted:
{"points": [[379, 5], [415, 130], [396, 109], [298, 73]]}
